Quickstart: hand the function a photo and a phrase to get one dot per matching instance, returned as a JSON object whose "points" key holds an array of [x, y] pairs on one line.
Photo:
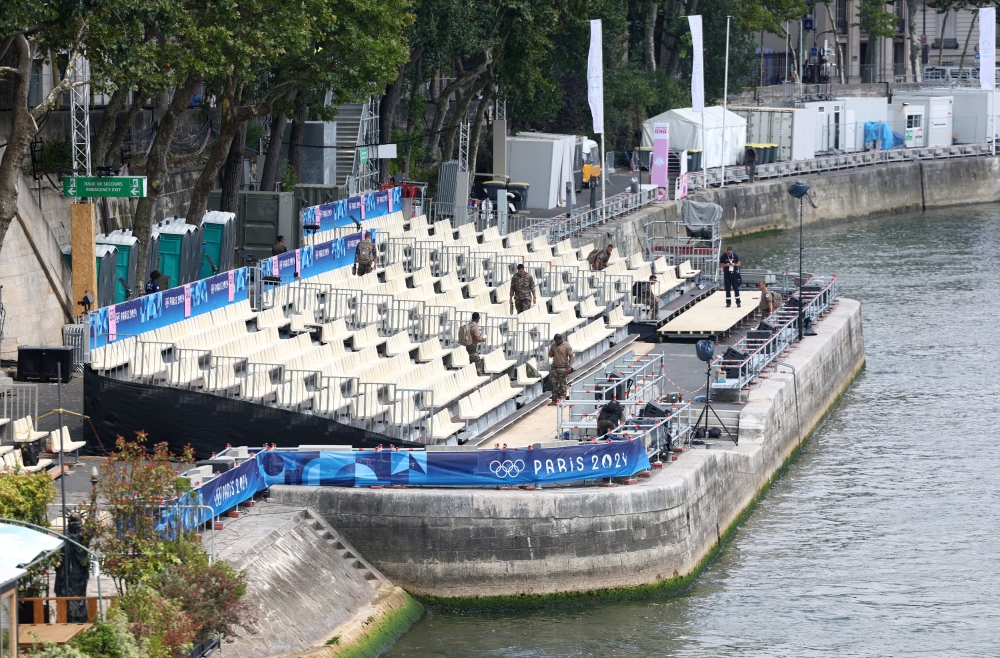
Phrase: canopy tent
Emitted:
{"points": [[545, 162], [20, 546], [686, 133]]}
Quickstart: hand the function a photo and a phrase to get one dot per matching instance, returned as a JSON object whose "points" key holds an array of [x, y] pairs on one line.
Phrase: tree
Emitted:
{"points": [[911, 29], [316, 46], [876, 21], [26, 28]]}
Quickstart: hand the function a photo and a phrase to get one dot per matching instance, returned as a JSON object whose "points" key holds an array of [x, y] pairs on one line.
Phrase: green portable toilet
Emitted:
{"points": [[217, 233], [128, 248], [179, 252], [107, 260]]}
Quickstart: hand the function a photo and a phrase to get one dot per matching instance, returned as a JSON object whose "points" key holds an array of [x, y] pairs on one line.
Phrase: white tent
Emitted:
{"points": [[686, 133], [545, 162]]}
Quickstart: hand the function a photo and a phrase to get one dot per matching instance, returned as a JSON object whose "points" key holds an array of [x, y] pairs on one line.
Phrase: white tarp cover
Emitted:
{"points": [[545, 162], [20, 545], [685, 133]]}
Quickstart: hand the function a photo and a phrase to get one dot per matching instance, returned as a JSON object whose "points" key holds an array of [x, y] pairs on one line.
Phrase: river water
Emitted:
{"points": [[881, 538]]}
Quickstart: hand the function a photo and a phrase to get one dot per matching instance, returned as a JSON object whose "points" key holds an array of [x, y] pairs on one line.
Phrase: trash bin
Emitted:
{"points": [[494, 190], [694, 160], [772, 153], [520, 191]]}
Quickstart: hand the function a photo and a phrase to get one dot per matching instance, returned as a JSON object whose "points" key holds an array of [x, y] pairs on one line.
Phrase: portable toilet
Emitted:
{"points": [[217, 242], [107, 268], [179, 251], [908, 119], [128, 249]]}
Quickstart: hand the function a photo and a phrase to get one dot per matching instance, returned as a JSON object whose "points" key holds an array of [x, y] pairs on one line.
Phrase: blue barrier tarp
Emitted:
{"points": [[164, 308], [343, 213]]}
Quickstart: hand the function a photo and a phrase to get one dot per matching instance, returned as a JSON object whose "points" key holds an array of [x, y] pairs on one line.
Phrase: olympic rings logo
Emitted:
{"points": [[506, 468]]}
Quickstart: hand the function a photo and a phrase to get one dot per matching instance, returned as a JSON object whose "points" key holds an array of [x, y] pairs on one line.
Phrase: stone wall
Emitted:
{"points": [[37, 285], [476, 542]]}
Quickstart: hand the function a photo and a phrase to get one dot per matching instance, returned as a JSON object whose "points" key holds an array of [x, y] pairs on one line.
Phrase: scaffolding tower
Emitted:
{"points": [[79, 109]]}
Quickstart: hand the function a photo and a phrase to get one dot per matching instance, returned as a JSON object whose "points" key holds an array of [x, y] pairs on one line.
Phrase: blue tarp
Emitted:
{"points": [[364, 468], [881, 131]]}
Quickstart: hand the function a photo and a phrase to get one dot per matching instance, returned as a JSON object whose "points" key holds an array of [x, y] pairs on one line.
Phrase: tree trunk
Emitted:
{"points": [[23, 129], [911, 27], [944, 22], [965, 49], [480, 122], [666, 39], [651, 37], [232, 173], [386, 118], [156, 172], [119, 135], [461, 115], [231, 125], [295, 139], [272, 161], [100, 147], [840, 46]]}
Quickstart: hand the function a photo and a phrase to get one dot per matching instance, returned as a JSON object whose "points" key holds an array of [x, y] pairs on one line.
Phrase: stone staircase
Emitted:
{"points": [[348, 125]]}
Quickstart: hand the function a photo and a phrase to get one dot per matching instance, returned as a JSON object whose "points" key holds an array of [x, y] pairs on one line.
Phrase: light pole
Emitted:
{"points": [[798, 189]]}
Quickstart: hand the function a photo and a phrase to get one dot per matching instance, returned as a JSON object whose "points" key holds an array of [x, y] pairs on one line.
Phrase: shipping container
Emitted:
{"points": [[936, 112], [792, 129]]}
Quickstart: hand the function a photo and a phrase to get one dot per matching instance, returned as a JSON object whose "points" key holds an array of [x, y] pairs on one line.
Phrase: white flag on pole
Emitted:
{"points": [[697, 66], [595, 76], [987, 47]]}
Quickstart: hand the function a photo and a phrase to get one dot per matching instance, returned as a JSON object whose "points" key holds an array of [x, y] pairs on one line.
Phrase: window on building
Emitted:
{"points": [[841, 16], [913, 121]]}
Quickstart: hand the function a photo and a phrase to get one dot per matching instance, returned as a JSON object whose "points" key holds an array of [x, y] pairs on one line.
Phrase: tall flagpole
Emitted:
{"points": [[698, 87], [595, 97], [725, 104], [987, 65]]}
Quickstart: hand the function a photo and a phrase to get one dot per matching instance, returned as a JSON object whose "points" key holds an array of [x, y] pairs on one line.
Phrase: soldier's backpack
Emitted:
{"points": [[365, 250], [465, 335], [776, 299]]}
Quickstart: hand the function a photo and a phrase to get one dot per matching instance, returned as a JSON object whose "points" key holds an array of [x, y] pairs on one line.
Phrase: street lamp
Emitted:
{"points": [[798, 189]]}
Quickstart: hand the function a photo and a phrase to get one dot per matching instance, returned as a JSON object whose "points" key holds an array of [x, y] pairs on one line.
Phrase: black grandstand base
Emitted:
{"points": [[207, 422]]}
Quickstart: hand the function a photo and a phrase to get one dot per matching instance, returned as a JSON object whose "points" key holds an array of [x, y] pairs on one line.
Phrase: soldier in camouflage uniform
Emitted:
{"points": [[522, 290], [599, 258], [364, 257], [562, 364], [473, 348]]}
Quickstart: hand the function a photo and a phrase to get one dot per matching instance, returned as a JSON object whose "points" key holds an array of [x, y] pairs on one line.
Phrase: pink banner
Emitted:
{"points": [[187, 300], [661, 146], [112, 324], [232, 285]]}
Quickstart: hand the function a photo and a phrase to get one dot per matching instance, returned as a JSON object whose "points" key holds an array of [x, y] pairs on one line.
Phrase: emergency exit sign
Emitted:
{"points": [[109, 186]]}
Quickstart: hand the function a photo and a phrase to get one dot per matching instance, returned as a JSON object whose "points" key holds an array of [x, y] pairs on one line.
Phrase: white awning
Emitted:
{"points": [[20, 546]]}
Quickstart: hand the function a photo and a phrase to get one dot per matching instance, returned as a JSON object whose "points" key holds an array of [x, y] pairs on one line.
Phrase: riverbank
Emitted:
{"points": [[521, 546], [836, 196]]}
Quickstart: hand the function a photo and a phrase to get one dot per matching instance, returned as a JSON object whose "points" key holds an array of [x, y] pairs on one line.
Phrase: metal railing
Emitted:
{"points": [[19, 400], [734, 374], [738, 174]]}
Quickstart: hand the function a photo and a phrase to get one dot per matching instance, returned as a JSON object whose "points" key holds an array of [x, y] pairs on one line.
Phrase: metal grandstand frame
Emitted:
{"points": [[819, 296], [674, 241]]}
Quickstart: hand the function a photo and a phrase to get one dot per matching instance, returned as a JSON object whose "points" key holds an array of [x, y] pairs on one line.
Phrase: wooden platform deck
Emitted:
{"points": [[710, 317]]}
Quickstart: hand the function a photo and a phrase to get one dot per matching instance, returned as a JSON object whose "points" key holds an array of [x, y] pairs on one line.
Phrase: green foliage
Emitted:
{"points": [[288, 178], [25, 497], [133, 485], [210, 594], [61, 651], [875, 20], [55, 153], [162, 626], [109, 639]]}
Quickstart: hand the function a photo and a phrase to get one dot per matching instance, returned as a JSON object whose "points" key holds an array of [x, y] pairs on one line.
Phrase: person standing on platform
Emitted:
{"points": [[364, 257], [611, 416], [645, 293], [153, 285], [279, 246], [522, 290], [730, 263], [562, 364], [770, 300], [469, 337]]}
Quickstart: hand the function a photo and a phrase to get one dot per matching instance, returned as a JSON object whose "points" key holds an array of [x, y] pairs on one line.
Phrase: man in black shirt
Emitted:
{"points": [[611, 416], [730, 263]]}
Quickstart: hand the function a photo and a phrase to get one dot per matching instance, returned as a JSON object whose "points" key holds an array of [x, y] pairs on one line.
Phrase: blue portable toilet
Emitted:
{"points": [[128, 248], [217, 242]]}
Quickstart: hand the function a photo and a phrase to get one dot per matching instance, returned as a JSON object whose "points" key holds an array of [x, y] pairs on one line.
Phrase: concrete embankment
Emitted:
{"points": [[467, 544], [312, 593], [838, 195]]}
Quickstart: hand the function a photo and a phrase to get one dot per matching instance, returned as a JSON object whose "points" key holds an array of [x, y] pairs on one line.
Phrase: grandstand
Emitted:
{"points": [[379, 352]]}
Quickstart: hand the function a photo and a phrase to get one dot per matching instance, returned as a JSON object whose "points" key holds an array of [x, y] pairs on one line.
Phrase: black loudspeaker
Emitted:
{"points": [[611, 390], [758, 335], [764, 326], [654, 410], [43, 362], [733, 372], [733, 354]]}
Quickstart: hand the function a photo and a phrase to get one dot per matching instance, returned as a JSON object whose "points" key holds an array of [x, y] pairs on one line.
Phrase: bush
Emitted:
{"points": [[25, 497], [162, 627], [210, 594], [288, 178], [109, 639], [57, 651]]}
